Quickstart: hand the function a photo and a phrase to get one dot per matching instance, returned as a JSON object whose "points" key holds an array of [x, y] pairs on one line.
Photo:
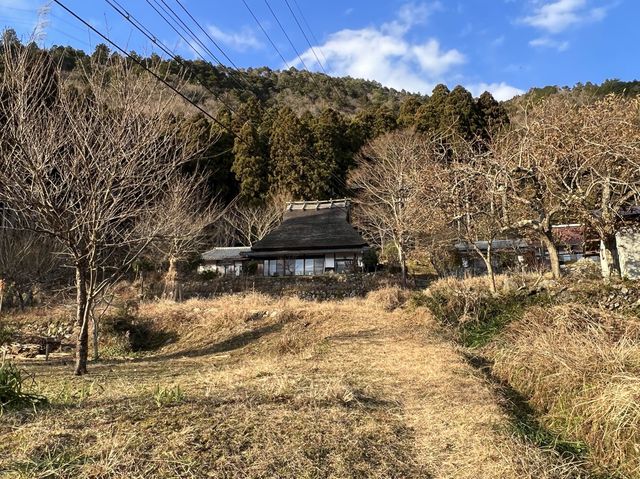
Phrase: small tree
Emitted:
{"points": [[251, 223], [85, 166], [180, 222], [472, 187]]}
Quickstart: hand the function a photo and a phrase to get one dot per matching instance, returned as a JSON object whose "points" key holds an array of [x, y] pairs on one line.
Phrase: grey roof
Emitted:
{"points": [[312, 229], [222, 254], [497, 245]]}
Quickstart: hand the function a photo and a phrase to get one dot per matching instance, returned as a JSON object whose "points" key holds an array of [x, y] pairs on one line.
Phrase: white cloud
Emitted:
{"points": [[500, 91], [558, 15], [240, 40], [384, 54], [547, 42]]}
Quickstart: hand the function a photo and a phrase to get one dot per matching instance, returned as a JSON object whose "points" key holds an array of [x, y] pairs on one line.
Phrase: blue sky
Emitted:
{"points": [[505, 46]]}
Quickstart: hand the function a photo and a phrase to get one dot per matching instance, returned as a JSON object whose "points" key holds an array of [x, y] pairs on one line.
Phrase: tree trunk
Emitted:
{"points": [[171, 281], [403, 266], [82, 318], [609, 260], [489, 263], [96, 332], [552, 250]]}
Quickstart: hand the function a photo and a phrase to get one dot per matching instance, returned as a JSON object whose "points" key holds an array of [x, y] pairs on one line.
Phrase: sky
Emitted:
{"points": [[503, 46]]}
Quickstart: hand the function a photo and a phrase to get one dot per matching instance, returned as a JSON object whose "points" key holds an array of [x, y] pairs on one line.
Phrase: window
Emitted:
{"points": [[272, 267], [265, 267], [344, 263], [318, 266], [308, 266], [289, 266], [279, 267], [299, 267]]}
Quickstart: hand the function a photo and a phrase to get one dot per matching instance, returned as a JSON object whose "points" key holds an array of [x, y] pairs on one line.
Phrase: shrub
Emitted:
{"points": [[208, 275], [475, 314], [388, 298], [12, 394], [124, 333], [580, 368], [5, 334]]}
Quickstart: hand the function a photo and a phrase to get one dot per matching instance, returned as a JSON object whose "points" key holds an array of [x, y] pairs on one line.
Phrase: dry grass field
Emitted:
{"points": [[254, 387]]}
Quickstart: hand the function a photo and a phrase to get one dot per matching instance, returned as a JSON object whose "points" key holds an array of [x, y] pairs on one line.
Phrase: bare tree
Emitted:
{"points": [[84, 164], [389, 181], [252, 223], [182, 218], [582, 162], [472, 186], [532, 182]]}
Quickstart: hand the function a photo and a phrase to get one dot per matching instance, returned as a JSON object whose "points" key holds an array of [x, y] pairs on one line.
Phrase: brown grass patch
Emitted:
{"points": [[580, 367]]}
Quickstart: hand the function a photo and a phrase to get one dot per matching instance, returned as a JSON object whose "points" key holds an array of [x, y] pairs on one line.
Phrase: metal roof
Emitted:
{"points": [[222, 254]]}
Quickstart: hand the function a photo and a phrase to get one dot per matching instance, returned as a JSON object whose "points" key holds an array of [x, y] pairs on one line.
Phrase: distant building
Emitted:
{"points": [[224, 261], [314, 238]]}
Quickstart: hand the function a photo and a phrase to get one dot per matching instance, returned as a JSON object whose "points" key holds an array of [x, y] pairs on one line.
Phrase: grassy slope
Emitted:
{"points": [[330, 389]]}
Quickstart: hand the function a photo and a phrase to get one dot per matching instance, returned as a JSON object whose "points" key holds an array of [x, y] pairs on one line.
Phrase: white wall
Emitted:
{"points": [[628, 243]]}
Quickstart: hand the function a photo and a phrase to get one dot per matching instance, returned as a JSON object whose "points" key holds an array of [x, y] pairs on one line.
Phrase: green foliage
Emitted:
{"points": [[123, 334], [251, 163], [6, 333], [477, 316], [168, 396], [208, 275], [12, 393], [370, 259]]}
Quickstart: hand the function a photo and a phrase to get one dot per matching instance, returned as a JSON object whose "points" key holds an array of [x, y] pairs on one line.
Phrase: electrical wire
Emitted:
{"points": [[147, 33], [141, 64]]}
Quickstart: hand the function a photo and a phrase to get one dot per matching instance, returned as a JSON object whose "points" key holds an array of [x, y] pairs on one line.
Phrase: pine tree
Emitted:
{"points": [[461, 115], [408, 109], [334, 155], [291, 154]]}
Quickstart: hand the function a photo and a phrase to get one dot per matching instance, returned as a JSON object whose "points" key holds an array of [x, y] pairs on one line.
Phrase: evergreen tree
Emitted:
{"points": [[428, 117], [291, 155], [333, 150], [494, 116], [408, 109], [101, 54], [461, 115], [251, 165]]}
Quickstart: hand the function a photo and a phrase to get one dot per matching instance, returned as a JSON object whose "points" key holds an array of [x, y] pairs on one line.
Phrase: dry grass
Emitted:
{"points": [[580, 367], [254, 387]]}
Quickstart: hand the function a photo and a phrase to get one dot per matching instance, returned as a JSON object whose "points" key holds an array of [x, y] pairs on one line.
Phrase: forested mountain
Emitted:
{"points": [[580, 92], [298, 132], [293, 131]]}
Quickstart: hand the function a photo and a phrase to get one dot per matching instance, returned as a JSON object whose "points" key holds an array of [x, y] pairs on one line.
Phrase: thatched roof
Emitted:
{"points": [[313, 226]]}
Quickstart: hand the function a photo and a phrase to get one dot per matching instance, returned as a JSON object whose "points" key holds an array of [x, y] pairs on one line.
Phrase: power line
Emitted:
{"points": [[206, 33], [141, 64], [265, 33], [147, 33], [175, 18], [285, 34], [312, 49], [305, 36], [304, 19]]}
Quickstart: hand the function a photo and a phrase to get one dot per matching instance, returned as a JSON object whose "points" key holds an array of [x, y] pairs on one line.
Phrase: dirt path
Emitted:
{"points": [[460, 429]]}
